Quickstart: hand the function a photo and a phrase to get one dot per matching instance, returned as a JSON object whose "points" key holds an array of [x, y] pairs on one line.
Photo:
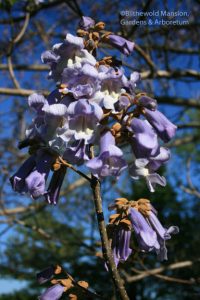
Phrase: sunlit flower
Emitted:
{"points": [[110, 160]]}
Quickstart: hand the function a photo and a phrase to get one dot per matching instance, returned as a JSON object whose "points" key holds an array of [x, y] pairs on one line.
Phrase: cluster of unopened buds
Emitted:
{"points": [[95, 105]]}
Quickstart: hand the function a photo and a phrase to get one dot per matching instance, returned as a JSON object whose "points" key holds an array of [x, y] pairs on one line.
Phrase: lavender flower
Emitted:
{"points": [[81, 83], [49, 116], [36, 180], [122, 103], [110, 161], [150, 233], [144, 140], [53, 293], [145, 235], [147, 102], [18, 179], [163, 234], [125, 46], [164, 128], [112, 83], [157, 161], [68, 54], [84, 118], [86, 23]]}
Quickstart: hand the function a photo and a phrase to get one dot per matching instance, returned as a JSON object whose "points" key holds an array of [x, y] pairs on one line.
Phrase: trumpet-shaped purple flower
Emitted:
{"points": [[69, 54], [112, 83], [53, 191], [140, 169], [123, 45], [84, 118], [53, 293], [144, 140], [150, 233], [121, 245], [36, 180], [86, 23], [145, 235], [81, 83], [18, 179], [123, 102], [110, 161], [164, 128], [49, 115], [163, 234], [147, 102]]}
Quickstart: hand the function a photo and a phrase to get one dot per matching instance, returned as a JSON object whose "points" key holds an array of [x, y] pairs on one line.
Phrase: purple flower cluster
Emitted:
{"points": [[141, 218], [91, 97]]}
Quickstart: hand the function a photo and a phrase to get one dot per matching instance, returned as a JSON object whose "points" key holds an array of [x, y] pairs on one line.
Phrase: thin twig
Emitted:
{"points": [[23, 30], [12, 74], [74, 169]]}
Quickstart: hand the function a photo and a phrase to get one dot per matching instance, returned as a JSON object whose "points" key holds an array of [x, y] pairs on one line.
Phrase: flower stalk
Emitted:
{"points": [[106, 249]]}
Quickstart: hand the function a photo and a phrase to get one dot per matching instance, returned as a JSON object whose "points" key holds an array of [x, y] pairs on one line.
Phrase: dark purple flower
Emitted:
{"points": [[53, 191], [121, 245], [45, 275], [147, 102], [145, 235], [162, 233], [86, 23], [164, 128], [125, 46], [77, 153], [144, 140], [18, 179], [53, 293], [36, 180], [110, 161]]}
